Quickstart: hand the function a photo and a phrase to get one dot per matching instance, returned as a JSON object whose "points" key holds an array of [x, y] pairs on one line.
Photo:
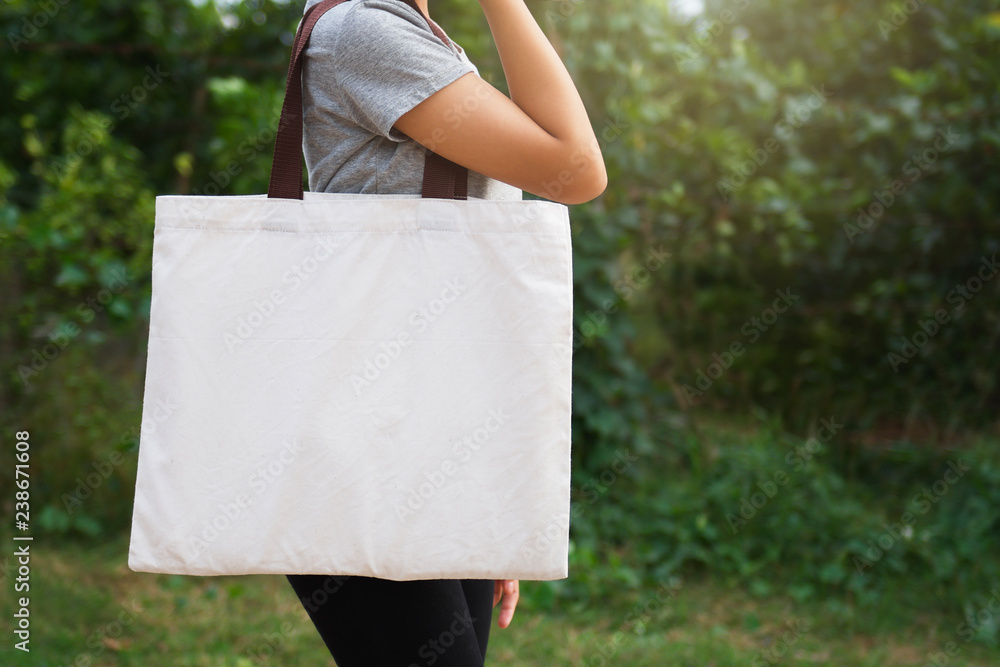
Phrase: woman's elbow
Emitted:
{"points": [[582, 181], [592, 187]]}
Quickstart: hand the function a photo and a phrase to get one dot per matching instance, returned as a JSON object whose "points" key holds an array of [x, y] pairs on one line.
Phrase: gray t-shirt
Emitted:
{"points": [[367, 63]]}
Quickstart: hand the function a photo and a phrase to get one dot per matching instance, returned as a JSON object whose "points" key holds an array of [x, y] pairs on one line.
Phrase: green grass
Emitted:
{"points": [[89, 609]]}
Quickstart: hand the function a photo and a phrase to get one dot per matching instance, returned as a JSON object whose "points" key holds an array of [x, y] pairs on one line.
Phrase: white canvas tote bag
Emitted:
{"points": [[356, 384]]}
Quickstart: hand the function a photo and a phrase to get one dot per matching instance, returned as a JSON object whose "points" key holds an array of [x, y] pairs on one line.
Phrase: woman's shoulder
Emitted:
{"points": [[360, 20]]}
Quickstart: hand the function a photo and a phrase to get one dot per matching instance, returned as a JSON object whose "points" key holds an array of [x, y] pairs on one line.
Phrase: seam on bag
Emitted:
{"points": [[359, 231]]}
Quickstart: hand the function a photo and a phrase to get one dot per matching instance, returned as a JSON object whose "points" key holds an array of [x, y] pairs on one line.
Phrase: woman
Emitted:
{"points": [[381, 85]]}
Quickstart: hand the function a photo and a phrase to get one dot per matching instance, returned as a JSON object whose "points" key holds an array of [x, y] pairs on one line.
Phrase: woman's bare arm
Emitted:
{"points": [[540, 139]]}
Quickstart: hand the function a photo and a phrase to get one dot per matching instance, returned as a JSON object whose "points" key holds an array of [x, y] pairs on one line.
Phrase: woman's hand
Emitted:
{"points": [[508, 590]]}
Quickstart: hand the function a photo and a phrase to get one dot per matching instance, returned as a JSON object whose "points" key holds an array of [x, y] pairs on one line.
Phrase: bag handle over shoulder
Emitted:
{"points": [[443, 179]]}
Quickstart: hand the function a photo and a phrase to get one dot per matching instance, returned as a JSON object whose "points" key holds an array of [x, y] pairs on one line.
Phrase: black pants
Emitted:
{"points": [[368, 622]]}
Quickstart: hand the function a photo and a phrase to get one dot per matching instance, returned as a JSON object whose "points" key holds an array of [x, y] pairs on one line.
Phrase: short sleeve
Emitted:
{"points": [[385, 61]]}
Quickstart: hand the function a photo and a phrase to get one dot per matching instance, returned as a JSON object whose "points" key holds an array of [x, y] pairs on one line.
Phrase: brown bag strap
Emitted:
{"points": [[443, 179]]}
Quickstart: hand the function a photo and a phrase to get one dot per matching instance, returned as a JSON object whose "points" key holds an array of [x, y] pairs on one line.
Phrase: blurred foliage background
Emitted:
{"points": [[802, 224]]}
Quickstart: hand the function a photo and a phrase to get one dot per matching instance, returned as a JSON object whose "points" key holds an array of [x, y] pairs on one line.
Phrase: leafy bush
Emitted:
{"points": [[826, 256], [772, 512], [74, 365]]}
